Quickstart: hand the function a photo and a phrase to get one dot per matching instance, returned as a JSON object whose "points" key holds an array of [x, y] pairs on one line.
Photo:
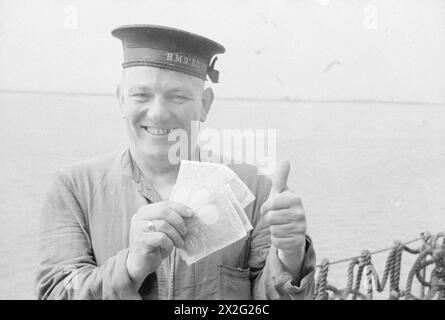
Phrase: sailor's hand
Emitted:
{"points": [[284, 214], [155, 230]]}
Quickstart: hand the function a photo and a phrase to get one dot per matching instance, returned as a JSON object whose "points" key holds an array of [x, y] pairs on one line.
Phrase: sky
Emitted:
{"points": [[389, 50]]}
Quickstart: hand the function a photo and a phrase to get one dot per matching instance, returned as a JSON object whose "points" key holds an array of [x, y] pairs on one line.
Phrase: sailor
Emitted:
{"points": [[108, 228]]}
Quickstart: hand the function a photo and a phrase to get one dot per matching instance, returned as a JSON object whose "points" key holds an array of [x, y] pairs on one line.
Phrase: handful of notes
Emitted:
{"points": [[218, 197]]}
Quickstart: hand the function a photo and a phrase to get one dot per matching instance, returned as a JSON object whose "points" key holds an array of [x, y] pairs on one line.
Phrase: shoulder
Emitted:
{"points": [[91, 170]]}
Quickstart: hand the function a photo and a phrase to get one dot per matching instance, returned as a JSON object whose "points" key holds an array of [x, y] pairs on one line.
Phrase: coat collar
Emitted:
{"points": [[132, 171]]}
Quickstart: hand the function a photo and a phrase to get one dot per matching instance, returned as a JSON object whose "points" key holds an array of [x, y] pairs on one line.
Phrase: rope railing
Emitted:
{"points": [[431, 253]]}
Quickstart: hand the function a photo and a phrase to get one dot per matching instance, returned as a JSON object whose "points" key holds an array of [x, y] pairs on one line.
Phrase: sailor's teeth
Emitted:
{"points": [[158, 131]]}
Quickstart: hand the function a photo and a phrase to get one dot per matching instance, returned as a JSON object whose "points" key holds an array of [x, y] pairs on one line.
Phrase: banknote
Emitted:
{"points": [[240, 211], [217, 196], [239, 189], [216, 224], [214, 176]]}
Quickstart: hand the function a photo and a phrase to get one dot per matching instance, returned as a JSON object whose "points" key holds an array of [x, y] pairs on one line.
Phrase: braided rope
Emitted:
{"points": [[395, 275], [348, 288], [320, 288], [368, 267], [432, 246], [358, 280], [388, 269]]}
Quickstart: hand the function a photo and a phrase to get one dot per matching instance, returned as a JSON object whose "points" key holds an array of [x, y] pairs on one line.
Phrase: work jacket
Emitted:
{"points": [[84, 240]]}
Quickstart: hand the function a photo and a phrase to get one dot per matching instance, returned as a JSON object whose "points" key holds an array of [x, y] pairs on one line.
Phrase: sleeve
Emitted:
{"points": [[270, 278], [66, 268]]}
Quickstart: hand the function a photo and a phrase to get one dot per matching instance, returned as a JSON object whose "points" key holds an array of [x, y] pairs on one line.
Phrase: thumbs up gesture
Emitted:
{"points": [[284, 214]]}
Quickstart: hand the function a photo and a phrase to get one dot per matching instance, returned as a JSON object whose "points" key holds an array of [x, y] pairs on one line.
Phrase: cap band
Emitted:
{"points": [[178, 61]]}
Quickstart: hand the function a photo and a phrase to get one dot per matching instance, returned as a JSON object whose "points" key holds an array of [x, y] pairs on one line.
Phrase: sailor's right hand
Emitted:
{"points": [[155, 230]]}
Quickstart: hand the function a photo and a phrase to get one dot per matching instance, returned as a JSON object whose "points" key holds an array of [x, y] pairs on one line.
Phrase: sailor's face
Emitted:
{"points": [[154, 102]]}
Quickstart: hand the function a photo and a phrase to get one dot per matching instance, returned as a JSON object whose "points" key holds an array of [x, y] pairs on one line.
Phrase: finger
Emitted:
{"points": [[166, 244], [283, 216], [176, 221], [152, 211], [181, 209], [283, 200], [158, 240], [288, 230], [170, 231], [279, 181], [288, 244], [165, 213]]}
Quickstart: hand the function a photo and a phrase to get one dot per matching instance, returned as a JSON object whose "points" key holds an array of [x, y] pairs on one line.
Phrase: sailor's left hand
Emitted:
{"points": [[285, 216]]}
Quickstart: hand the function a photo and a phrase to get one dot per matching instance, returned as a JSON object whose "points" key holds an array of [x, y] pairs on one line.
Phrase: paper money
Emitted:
{"points": [[237, 206], [239, 189], [217, 196], [215, 226], [214, 176]]}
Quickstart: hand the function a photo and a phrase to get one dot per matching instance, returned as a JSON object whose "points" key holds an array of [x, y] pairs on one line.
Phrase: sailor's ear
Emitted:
{"points": [[119, 93], [120, 100], [207, 100]]}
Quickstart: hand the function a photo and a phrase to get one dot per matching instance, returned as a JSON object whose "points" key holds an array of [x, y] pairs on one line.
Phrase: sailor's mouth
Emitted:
{"points": [[158, 131]]}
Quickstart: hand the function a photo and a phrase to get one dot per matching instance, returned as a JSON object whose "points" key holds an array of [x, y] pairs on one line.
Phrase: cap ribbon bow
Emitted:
{"points": [[212, 73]]}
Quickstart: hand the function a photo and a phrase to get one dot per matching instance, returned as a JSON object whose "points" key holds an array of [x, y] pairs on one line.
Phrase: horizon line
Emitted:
{"points": [[285, 99]]}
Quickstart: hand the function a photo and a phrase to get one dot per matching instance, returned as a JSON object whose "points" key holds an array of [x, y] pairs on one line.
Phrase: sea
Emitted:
{"points": [[368, 173]]}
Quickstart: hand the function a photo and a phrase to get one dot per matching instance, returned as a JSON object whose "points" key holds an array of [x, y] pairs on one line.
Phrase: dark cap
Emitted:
{"points": [[168, 48]]}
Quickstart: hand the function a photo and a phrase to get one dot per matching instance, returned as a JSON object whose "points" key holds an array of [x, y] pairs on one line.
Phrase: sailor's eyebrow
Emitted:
{"points": [[182, 90], [137, 87]]}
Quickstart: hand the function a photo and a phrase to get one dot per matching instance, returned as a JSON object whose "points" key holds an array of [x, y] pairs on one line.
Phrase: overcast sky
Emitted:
{"points": [[299, 49]]}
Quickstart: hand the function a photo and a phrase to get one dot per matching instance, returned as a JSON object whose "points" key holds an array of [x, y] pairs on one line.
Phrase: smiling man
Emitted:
{"points": [[108, 230]]}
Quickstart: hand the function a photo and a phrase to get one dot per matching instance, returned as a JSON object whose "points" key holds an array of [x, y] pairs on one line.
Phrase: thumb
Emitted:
{"points": [[279, 181]]}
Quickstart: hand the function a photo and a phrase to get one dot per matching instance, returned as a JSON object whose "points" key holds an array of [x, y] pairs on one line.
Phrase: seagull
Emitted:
{"points": [[331, 65], [266, 20]]}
